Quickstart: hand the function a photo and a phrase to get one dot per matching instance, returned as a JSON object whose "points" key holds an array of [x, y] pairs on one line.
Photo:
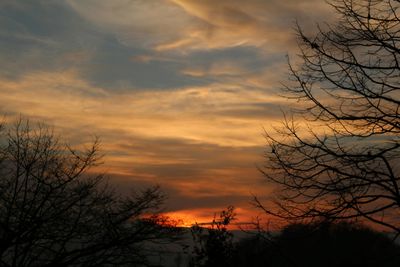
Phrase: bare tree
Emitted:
{"points": [[53, 213], [345, 163]]}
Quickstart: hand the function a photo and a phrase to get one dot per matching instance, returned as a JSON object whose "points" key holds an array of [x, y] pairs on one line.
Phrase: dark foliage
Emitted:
{"points": [[318, 244]]}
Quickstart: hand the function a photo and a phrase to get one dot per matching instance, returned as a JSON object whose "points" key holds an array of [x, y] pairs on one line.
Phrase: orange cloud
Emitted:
{"points": [[191, 113], [185, 25]]}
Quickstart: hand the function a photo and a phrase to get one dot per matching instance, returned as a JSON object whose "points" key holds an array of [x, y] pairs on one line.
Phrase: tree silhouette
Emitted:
{"points": [[53, 213], [213, 245], [318, 244], [345, 163]]}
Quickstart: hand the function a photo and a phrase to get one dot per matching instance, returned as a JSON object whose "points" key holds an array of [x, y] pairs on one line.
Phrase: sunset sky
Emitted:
{"points": [[179, 91]]}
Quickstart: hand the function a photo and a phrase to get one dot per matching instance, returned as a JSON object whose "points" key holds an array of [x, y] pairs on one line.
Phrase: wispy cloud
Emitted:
{"points": [[187, 140], [203, 114], [178, 90], [184, 25]]}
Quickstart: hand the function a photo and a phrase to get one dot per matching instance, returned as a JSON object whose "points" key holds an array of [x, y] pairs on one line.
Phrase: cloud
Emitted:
{"points": [[186, 25], [42, 36], [178, 90], [119, 45], [135, 22], [52, 36], [195, 113], [264, 24], [189, 140]]}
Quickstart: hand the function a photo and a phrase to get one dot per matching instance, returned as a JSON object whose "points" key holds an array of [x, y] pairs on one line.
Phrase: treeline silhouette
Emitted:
{"points": [[320, 243]]}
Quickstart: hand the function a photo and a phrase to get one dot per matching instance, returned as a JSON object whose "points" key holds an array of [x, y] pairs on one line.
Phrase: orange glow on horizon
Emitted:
{"points": [[204, 217]]}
